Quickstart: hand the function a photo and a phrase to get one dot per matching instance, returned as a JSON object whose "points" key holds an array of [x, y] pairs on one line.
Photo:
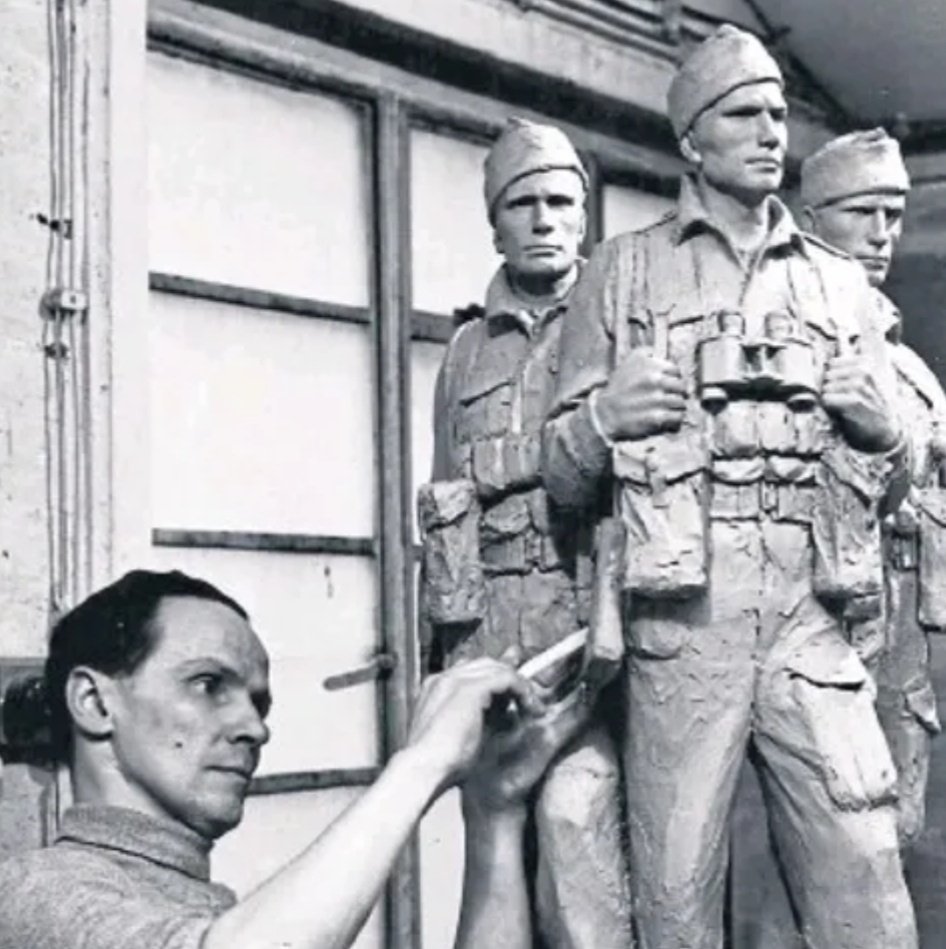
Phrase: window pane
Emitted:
{"points": [[452, 246], [261, 421], [254, 184], [275, 828], [628, 209], [441, 870], [425, 364], [316, 615]]}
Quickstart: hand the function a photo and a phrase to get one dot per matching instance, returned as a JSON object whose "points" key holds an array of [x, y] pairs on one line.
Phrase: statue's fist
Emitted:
{"points": [[849, 391], [644, 395]]}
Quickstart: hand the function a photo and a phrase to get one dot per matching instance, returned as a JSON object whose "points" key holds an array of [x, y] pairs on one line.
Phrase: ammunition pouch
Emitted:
{"points": [[920, 701], [453, 589], [504, 463], [520, 533], [662, 486], [901, 537], [845, 531], [931, 567]]}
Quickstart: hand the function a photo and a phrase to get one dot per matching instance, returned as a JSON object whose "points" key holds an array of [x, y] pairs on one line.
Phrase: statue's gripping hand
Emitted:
{"points": [[850, 392], [644, 395]]}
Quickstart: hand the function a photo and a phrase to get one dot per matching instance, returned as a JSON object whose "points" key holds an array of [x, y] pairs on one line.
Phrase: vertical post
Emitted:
{"points": [[392, 338], [595, 204]]}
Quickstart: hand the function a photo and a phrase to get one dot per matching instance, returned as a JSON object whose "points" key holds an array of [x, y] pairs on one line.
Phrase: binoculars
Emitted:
{"points": [[780, 365]]}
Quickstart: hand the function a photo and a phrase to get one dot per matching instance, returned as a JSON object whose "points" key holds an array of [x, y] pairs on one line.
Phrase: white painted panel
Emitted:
{"points": [[275, 829], [317, 616], [452, 245], [260, 421], [441, 870], [425, 364], [254, 184], [628, 209]]}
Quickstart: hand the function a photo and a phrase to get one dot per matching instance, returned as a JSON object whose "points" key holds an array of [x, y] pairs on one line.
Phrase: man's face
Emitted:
{"points": [[738, 144], [539, 224], [866, 226], [189, 722]]}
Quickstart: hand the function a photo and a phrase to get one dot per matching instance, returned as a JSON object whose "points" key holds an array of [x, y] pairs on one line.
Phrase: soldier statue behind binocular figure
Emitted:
{"points": [[779, 365]]}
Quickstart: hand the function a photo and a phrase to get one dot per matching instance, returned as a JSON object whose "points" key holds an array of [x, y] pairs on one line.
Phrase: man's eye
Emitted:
{"points": [[561, 201], [208, 684]]}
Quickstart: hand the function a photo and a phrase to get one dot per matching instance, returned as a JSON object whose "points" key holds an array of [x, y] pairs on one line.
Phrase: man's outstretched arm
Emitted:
{"points": [[322, 898]]}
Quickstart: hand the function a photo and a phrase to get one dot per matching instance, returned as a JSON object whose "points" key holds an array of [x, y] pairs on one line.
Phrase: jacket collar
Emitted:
{"points": [[503, 301], [693, 217]]}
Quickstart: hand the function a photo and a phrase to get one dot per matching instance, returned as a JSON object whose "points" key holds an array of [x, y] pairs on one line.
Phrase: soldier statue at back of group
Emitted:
{"points": [[854, 192], [722, 374], [502, 566]]}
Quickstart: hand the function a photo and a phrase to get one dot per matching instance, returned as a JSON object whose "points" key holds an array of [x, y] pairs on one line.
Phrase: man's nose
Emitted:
{"points": [[879, 233], [541, 219], [768, 130], [250, 726]]}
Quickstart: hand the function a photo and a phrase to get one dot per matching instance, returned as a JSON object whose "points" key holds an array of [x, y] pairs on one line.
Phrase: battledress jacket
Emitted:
{"points": [[698, 272], [493, 393]]}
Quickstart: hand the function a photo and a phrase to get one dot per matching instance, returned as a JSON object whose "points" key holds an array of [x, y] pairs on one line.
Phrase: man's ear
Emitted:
{"points": [[689, 150], [89, 697], [497, 243]]}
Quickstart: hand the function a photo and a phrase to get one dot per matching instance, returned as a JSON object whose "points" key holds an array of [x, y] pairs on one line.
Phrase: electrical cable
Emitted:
{"points": [[65, 335]]}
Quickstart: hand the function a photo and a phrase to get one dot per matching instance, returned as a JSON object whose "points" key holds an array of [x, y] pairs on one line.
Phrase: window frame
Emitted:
{"points": [[395, 102]]}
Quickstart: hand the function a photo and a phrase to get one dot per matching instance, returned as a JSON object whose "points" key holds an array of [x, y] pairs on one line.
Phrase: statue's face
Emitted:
{"points": [[539, 224], [738, 144], [866, 226]]}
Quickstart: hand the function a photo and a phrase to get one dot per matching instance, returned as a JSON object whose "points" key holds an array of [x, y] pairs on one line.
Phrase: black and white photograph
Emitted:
{"points": [[472, 474]]}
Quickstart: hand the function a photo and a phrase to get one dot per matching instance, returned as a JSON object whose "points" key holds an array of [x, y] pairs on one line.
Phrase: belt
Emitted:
{"points": [[760, 499]]}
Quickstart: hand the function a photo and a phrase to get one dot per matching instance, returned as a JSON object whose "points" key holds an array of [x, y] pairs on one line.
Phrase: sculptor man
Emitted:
{"points": [[158, 691], [721, 377]]}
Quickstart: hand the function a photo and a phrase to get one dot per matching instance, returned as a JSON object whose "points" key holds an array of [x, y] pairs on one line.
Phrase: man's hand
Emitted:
{"points": [[449, 722], [849, 391], [512, 760], [644, 395]]}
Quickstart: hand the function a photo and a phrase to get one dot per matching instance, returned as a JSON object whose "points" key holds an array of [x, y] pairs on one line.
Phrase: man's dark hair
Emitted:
{"points": [[112, 631]]}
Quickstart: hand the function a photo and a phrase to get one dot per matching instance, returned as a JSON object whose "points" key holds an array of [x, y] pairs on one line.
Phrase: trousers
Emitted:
{"points": [[757, 662], [905, 700]]}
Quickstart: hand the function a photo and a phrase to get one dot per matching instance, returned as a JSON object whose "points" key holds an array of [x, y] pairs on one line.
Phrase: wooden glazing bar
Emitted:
{"points": [[272, 542]]}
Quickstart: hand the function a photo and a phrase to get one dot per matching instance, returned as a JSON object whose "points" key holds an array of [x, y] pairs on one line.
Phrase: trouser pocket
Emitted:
{"points": [[843, 739]]}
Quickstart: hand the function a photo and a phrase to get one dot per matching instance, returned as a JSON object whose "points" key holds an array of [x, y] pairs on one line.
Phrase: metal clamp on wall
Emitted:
{"points": [[24, 716], [379, 667]]}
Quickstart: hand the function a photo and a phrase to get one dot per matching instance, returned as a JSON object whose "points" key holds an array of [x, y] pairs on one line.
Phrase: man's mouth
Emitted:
{"points": [[237, 771]]}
